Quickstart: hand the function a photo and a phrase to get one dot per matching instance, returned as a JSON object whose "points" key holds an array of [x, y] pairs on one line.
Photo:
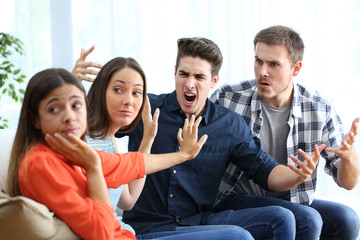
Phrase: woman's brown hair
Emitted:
{"points": [[39, 86], [98, 117]]}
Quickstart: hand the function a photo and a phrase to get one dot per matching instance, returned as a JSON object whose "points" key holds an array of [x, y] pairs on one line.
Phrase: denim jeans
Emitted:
{"points": [[271, 222], [200, 233], [339, 220], [327, 219]]}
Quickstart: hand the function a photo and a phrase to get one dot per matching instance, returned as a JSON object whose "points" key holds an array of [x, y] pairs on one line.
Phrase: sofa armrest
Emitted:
{"points": [[6, 140]]}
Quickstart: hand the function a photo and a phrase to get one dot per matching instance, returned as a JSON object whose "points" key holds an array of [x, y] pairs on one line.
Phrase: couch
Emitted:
{"points": [[21, 217]]}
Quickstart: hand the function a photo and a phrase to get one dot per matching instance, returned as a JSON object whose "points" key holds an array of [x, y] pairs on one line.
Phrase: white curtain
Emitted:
{"points": [[54, 31]]}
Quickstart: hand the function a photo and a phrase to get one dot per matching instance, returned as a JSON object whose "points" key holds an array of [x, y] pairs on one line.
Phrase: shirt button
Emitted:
{"points": [[174, 171], [171, 195]]}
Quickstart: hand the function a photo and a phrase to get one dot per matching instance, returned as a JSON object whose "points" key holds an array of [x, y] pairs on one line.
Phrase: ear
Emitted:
{"points": [[215, 80], [35, 120], [297, 68]]}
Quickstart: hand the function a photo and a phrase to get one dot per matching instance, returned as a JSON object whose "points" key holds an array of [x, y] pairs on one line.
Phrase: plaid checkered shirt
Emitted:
{"points": [[312, 121]]}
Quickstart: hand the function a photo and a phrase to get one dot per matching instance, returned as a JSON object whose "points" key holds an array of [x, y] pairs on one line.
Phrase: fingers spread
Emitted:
{"points": [[179, 136], [355, 125], [86, 78], [186, 125], [146, 114], [156, 115], [202, 140], [84, 54]]}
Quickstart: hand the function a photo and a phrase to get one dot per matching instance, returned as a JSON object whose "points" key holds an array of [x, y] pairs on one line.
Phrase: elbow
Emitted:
{"points": [[103, 230], [106, 235], [126, 206], [349, 186]]}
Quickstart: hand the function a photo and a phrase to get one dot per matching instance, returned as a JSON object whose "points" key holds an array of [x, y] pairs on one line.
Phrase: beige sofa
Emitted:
{"points": [[20, 217]]}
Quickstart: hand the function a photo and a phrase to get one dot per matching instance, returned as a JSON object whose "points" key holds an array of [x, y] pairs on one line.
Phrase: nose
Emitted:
{"points": [[69, 115], [128, 99], [190, 82], [263, 71]]}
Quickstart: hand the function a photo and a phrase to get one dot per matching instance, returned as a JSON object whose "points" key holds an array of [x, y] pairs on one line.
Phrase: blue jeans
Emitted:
{"points": [[271, 222], [322, 218], [340, 221], [200, 233]]}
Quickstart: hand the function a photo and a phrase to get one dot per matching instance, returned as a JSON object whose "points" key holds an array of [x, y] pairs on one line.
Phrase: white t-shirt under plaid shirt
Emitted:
{"points": [[312, 120]]}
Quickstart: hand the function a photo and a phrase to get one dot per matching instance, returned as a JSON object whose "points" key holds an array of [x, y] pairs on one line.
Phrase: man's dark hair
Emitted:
{"points": [[202, 48]]}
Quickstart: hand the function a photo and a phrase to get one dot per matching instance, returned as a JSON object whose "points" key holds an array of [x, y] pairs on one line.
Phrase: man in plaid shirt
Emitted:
{"points": [[288, 117]]}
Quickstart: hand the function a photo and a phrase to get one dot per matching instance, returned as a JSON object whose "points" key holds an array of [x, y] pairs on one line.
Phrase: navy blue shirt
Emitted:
{"points": [[185, 194]]}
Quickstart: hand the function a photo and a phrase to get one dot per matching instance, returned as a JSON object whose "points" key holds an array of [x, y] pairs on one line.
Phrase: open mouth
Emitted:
{"points": [[70, 130], [189, 97], [263, 83]]}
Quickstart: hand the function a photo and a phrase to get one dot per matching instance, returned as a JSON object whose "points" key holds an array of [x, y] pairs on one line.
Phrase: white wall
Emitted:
{"points": [[147, 30]]}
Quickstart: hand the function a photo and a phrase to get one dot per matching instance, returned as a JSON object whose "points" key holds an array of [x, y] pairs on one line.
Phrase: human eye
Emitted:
{"points": [[183, 74], [200, 77], [117, 90], [137, 93], [274, 64], [77, 105], [53, 109], [258, 61]]}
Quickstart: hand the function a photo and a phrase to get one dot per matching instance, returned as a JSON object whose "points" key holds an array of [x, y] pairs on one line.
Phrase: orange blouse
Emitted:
{"points": [[48, 178]]}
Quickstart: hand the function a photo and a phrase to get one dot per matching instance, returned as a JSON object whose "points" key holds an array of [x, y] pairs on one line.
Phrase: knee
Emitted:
{"points": [[348, 220], [284, 215], [343, 224], [283, 223], [236, 233], [311, 218]]}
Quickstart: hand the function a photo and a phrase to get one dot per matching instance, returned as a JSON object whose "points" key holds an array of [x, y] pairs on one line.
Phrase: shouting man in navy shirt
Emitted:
{"points": [[182, 197]]}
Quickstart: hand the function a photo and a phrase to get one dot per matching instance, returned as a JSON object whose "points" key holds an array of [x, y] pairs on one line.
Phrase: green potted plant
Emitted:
{"points": [[11, 78]]}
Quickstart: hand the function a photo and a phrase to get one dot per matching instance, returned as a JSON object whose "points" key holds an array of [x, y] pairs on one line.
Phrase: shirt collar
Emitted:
{"points": [[174, 106], [296, 102], [255, 101]]}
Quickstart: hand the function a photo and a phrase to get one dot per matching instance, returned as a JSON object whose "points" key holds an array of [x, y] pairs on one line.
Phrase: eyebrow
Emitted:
{"points": [[197, 75], [271, 61], [54, 99], [125, 83], [183, 71]]}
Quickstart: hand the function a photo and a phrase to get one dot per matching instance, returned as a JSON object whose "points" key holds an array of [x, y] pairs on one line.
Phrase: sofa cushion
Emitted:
{"points": [[6, 140], [23, 218]]}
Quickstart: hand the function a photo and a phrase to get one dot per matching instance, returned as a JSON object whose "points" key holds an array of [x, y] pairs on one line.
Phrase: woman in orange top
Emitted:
{"points": [[51, 164]]}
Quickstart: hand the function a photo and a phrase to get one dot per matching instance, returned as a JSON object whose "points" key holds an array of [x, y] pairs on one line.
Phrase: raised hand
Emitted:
{"points": [[74, 150], [346, 150], [82, 67], [188, 138], [309, 165], [150, 126]]}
